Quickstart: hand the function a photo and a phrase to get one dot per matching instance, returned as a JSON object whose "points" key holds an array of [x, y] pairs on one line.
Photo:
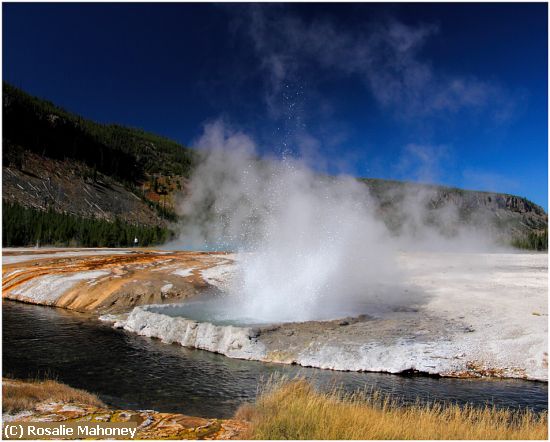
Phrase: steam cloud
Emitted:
{"points": [[310, 246], [386, 55], [309, 243]]}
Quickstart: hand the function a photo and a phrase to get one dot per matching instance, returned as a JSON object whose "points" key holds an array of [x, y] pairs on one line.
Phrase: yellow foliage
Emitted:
{"points": [[295, 410]]}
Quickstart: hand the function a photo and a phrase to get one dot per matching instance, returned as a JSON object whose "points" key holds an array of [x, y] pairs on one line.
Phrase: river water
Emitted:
{"points": [[129, 371]]}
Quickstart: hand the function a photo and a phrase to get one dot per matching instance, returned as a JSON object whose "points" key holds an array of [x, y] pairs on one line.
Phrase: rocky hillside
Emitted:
{"points": [[53, 159], [507, 218], [57, 161], [113, 182], [67, 186]]}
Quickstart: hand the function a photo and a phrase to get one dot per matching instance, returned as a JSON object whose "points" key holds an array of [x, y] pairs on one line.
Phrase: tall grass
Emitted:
{"points": [[295, 410], [25, 395]]}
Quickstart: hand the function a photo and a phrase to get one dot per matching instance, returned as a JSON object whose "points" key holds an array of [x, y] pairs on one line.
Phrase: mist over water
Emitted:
{"points": [[310, 246]]}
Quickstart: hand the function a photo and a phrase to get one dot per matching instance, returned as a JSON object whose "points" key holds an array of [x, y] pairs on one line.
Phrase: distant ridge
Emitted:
{"points": [[507, 218]]}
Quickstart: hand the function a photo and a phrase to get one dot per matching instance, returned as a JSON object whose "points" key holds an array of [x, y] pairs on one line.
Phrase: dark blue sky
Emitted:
{"points": [[447, 93]]}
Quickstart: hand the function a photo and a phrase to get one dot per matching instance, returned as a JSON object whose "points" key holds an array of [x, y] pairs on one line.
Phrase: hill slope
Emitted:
{"points": [[54, 160], [59, 162], [507, 218]]}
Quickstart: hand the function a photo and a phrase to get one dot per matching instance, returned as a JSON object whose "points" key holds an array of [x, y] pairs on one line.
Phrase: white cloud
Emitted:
{"points": [[423, 162], [387, 57]]}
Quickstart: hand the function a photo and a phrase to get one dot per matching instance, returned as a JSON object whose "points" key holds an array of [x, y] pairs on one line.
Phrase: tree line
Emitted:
{"points": [[532, 241], [22, 226]]}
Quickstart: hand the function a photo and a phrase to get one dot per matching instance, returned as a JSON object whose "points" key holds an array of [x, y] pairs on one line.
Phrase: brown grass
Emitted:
{"points": [[295, 410], [25, 395]]}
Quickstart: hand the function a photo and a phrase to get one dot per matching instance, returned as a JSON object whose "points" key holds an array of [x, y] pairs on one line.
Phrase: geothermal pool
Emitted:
{"points": [[219, 309], [213, 309], [131, 371]]}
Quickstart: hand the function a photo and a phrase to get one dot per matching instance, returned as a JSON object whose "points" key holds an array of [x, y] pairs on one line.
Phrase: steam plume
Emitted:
{"points": [[310, 246], [311, 243]]}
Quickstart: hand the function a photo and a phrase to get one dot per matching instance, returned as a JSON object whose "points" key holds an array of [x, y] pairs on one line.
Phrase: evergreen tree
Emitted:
{"points": [[22, 226]]}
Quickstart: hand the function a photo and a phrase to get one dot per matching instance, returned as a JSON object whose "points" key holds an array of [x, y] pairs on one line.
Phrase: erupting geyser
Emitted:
{"points": [[310, 247]]}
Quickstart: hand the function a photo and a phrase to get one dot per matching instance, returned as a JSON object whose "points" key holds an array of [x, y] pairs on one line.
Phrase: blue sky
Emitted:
{"points": [[447, 93]]}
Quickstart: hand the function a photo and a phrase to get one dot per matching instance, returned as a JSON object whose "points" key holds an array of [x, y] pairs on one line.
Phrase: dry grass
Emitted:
{"points": [[295, 410], [25, 395]]}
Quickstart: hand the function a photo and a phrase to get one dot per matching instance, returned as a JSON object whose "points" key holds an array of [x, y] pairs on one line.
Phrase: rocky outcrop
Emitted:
{"points": [[151, 424]]}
